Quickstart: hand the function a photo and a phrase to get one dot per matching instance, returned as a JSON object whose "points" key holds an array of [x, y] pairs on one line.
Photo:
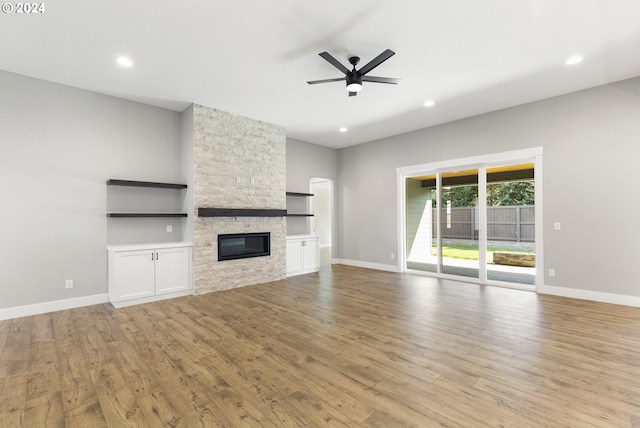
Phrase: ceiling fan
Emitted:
{"points": [[354, 78]]}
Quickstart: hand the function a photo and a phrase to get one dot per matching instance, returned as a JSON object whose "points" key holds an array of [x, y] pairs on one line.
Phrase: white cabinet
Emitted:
{"points": [[173, 270], [303, 254], [132, 276], [145, 273]]}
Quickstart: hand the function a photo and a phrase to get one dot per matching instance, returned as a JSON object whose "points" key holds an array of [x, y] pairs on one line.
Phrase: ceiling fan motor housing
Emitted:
{"points": [[354, 77]]}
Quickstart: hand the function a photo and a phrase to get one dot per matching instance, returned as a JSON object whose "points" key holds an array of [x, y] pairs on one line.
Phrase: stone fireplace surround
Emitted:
{"points": [[239, 163]]}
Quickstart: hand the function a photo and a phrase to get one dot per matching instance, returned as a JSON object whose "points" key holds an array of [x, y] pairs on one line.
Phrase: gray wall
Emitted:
{"points": [[58, 146], [591, 150], [304, 162]]}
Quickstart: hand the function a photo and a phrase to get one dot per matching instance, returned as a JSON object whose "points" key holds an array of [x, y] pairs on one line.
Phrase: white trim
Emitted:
{"points": [[471, 280], [156, 298], [366, 265], [56, 305], [596, 296], [488, 159], [482, 223], [302, 272], [539, 220], [438, 205], [157, 246], [401, 190]]}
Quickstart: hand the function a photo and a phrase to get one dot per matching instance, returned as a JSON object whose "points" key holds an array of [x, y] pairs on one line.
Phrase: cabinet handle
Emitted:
{"points": [[157, 256], [151, 256]]}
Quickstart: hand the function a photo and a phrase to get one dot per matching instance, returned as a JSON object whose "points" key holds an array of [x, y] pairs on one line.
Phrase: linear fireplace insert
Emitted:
{"points": [[243, 245]]}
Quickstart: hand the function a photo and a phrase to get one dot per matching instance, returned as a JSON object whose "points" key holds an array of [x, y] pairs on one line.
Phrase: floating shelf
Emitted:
{"points": [[240, 212], [306, 195], [299, 194], [131, 183], [123, 215]]}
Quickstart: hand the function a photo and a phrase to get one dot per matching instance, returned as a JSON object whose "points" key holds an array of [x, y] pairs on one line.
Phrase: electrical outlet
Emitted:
{"points": [[552, 273], [68, 283], [169, 228], [393, 256], [557, 226]]}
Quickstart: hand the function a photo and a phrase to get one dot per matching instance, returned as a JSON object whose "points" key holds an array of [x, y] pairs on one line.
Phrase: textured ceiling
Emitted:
{"points": [[253, 58]]}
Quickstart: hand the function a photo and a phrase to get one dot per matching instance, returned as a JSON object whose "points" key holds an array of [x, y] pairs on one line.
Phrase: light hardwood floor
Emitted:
{"points": [[345, 347]]}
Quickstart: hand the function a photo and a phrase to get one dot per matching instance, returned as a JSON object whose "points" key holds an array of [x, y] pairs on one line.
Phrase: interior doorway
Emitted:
{"points": [[322, 220]]}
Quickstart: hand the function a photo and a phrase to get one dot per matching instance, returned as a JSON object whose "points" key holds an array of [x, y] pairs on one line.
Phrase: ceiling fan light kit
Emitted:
{"points": [[354, 78]]}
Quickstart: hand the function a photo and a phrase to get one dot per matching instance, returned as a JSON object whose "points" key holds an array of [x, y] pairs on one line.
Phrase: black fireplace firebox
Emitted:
{"points": [[243, 245]]}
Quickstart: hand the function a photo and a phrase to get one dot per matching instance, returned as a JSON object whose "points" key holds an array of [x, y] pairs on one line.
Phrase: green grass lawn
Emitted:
{"points": [[471, 253]]}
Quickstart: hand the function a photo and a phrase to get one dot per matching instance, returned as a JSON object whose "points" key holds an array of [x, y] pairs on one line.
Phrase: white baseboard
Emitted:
{"points": [[367, 265], [596, 296], [125, 303], [56, 305]]}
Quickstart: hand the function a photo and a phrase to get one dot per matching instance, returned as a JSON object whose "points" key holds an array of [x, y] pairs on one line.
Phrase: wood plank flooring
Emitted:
{"points": [[345, 347]]}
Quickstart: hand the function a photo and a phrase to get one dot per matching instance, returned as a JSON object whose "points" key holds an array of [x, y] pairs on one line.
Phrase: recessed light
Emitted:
{"points": [[343, 129], [429, 103], [124, 61], [573, 60]]}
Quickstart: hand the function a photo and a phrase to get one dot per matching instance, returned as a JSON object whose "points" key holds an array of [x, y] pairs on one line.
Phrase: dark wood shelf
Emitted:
{"points": [[240, 212], [299, 215], [130, 215], [299, 194], [131, 183]]}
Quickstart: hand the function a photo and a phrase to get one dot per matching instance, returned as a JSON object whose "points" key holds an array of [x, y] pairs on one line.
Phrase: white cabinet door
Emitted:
{"points": [[134, 271], [311, 254], [294, 255], [141, 274], [173, 270], [303, 255]]}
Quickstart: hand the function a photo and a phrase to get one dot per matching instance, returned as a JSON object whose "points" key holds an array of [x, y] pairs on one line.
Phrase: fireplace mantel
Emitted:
{"points": [[240, 212]]}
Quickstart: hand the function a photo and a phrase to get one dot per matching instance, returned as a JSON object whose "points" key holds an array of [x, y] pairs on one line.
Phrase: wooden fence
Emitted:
{"points": [[509, 223]]}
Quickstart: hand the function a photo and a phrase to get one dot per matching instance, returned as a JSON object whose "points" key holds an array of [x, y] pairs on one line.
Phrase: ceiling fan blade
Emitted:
{"points": [[353, 94], [334, 62], [337, 79], [376, 61], [389, 80]]}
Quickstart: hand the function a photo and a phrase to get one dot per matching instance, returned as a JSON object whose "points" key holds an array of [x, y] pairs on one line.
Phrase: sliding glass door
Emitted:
{"points": [[511, 204], [459, 223], [472, 222]]}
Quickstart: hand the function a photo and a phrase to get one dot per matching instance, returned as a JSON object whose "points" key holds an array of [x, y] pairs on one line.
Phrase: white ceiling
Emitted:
{"points": [[253, 57]]}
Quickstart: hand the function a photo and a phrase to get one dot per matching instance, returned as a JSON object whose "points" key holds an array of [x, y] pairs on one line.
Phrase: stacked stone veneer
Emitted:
{"points": [[238, 163]]}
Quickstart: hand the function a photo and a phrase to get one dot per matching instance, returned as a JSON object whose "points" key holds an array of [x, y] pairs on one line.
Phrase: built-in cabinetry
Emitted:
{"points": [[148, 272], [303, 254]]}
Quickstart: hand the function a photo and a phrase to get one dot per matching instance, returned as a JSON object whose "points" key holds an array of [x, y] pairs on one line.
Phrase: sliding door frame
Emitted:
{"points": [[481, 163]]}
